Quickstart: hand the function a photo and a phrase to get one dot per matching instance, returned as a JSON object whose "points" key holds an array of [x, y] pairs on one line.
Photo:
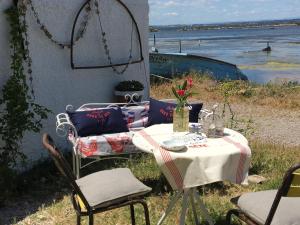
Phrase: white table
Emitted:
{"points": [[217, 159]]}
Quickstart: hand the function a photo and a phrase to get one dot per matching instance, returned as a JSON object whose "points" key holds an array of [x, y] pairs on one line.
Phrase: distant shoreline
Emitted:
{"points": [[234, 25]]}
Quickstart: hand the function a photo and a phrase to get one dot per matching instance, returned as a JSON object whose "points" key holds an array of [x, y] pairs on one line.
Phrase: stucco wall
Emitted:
{"points": [[55, 83], [4, 47]]}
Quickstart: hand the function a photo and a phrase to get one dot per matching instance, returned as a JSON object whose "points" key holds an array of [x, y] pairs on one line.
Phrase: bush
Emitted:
{"points": [[8, 183], [128, 85]]}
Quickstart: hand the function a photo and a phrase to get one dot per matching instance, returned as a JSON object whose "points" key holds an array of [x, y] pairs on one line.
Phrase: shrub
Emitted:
{"points": [[128, 85]]}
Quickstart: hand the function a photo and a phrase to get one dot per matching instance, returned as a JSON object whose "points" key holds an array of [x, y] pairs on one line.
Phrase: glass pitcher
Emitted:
{"points": [[212, 124]]}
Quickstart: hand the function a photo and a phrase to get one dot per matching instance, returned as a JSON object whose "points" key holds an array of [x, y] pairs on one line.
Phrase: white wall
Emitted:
{"points": [[55, 83], [4, 46]]}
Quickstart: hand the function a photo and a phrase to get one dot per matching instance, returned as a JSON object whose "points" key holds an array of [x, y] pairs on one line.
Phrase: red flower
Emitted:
{"points": [[190, 82], [181, 92]]}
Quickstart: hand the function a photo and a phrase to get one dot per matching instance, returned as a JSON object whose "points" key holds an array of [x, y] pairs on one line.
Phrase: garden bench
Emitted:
{"points": [[106, 145]]}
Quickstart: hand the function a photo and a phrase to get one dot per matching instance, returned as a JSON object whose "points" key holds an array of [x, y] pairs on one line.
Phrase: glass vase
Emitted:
{"points": [[181, 119]]}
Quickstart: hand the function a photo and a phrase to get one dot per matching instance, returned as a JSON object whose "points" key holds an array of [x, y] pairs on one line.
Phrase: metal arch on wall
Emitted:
{"points": [[110, 65]]}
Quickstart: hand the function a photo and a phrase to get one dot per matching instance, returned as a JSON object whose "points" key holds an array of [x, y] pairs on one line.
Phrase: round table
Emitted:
{"points": [[216, 159]]}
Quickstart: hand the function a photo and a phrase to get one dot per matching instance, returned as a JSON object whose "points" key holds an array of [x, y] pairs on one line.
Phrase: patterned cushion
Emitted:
{"points": [[106, 144], [98, 121], [162, 112], [136, 116]]}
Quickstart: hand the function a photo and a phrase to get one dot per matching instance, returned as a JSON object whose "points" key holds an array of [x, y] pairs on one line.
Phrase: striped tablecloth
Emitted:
{"points": [[217, 159]]}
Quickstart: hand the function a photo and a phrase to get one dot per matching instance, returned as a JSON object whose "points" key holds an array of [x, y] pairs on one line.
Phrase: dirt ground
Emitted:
{"points": [[271, 125]]}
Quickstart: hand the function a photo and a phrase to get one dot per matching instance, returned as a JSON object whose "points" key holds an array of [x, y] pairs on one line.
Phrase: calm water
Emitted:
{"points": [[243, 48]]}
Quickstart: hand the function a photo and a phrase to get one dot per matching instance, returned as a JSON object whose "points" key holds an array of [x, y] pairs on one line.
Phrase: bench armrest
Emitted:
{"points": [[64, 125]]}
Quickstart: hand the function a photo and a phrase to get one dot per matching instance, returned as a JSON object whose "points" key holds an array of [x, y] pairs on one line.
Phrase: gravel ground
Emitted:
{"points": [[271, 125]]}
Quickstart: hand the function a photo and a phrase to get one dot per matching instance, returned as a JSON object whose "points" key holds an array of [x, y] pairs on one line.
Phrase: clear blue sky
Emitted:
{"points": [[164, 12]]}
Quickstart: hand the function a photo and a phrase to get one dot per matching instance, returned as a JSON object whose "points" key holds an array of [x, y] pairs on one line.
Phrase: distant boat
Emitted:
{"points": [[171, 64], [268, 48]]}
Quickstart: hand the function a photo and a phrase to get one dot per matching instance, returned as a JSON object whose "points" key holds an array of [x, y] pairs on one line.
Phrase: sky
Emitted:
{"points": [[167, 12]]}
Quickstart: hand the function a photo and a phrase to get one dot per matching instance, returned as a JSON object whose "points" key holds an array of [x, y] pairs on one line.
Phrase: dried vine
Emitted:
{"points": [[19, 113], [105, 43], [80, 33]]}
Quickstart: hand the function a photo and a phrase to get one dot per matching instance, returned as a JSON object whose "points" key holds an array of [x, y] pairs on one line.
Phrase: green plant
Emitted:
{"points": [[128, 85], [182, 92], [19, 112], [231, 88]]}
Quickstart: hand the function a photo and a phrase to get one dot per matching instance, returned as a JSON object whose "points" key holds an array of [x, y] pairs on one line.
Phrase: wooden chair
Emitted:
{"points": [[100, 191], [272, 207]]}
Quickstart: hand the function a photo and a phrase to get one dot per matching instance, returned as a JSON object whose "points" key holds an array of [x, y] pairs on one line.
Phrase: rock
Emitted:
{"points": [[256, 179]]}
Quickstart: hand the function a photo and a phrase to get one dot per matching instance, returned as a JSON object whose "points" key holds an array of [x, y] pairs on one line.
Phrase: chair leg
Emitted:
{"points": [[78, 219], [132, 214], [229, 214], [146, 212], [91, 219]]}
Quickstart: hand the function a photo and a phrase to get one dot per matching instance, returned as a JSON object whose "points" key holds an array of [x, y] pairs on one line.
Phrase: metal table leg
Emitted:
{"points": [[203, 210], [173, 200], [185, 204], [190, 194], [194, 207]]}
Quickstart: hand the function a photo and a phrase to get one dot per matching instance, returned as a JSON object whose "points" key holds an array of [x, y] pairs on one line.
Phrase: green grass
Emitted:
{"points": [[270, 161]]}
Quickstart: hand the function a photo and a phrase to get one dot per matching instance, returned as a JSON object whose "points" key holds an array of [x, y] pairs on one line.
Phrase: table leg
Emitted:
{"points": [[185, 204], [194, 207], [173, 200], [204, 211]]}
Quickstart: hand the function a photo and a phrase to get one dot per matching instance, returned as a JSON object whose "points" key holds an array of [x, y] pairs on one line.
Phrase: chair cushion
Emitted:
{"points": [[109, 187], [258, 204], [162, 112], [98, 121], [106, 144]]}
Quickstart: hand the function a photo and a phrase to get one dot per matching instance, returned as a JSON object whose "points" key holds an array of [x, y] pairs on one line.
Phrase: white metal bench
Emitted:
{"points": [[106, 145]]}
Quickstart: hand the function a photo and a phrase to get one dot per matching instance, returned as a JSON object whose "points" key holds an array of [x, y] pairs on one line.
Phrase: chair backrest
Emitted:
{"points": [[294, 189], [292, 182], [63, 166], [290, 187]]}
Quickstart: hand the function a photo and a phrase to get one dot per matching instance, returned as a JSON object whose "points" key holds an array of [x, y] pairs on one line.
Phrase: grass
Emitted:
{"points": [[54, 206], [43, 196], [278, 95]]}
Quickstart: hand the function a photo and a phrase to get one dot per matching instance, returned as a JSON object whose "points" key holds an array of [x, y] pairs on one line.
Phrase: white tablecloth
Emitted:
{"points": [[217, 159]]}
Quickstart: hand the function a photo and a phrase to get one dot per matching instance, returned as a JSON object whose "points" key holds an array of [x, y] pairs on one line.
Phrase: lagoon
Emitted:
{"points": [[241, 46]]}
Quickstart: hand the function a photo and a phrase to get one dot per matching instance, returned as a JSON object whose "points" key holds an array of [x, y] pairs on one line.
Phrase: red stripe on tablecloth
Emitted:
{"points": [[166, 156], [242, 160]]}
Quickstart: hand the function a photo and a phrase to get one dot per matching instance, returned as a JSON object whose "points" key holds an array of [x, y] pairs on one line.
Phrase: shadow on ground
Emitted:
{"points": [[43, 185]]}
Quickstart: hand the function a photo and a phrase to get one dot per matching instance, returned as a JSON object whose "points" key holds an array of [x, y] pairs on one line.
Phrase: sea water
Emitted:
{"points": [[241, 46]]}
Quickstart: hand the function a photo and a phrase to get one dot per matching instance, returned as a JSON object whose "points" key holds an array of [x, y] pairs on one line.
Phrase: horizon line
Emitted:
{"points": [[227, 22]]}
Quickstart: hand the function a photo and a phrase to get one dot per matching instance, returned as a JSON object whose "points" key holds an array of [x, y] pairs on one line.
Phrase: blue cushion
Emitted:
{"points": [[162, 112], [97, 122]]}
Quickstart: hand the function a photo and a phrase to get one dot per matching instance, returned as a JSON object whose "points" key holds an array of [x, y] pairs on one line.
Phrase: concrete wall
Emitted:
{"points": [[55, 83]]}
